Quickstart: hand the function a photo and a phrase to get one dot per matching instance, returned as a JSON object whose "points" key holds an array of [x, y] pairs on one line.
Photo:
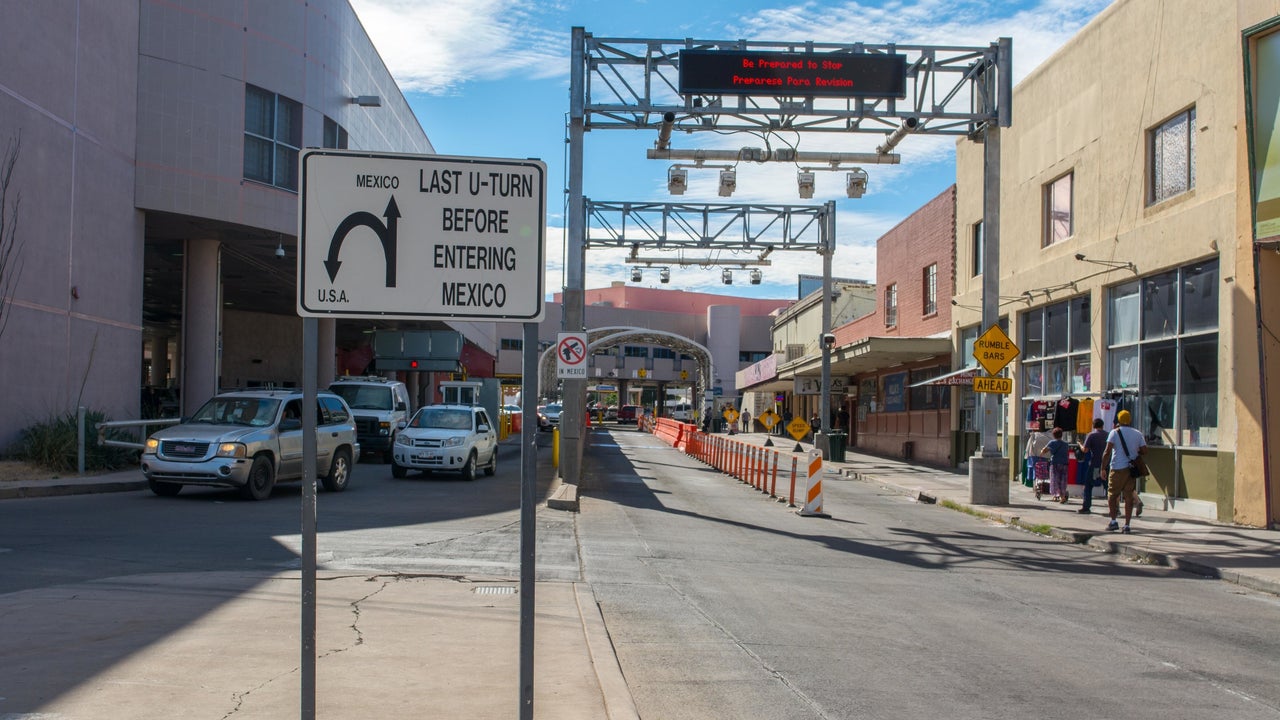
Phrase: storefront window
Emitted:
{"points": [[1059, 363], [1174, 374]]}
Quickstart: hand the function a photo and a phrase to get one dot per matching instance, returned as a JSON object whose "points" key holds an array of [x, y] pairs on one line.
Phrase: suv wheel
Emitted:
{"points": [[387, 455], [164, 489], [339, 472], [398, 471], [262, 478], [469, 469], [492, 467]]}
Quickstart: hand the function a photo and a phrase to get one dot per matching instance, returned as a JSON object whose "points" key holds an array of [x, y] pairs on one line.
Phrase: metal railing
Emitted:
{"points": [[141, 445]]}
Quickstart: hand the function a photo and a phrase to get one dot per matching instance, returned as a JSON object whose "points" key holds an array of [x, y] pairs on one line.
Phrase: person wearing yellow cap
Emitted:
{"points": [[1124, 444]]}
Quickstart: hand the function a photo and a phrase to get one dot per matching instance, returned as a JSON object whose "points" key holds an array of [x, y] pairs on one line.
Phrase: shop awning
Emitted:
{"points": [[963, 376], [870, 354]]}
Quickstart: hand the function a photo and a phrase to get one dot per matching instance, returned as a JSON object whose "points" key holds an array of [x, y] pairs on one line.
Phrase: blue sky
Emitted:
{"points": [[491, 77]]}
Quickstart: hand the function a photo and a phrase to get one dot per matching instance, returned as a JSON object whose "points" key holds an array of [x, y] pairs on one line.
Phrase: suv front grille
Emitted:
{"points": [[426, 442], [366, 425], [184, 449]]}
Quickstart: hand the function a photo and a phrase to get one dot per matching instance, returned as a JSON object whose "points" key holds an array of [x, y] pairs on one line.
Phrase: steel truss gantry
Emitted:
{"points": [[707, 227], [632, 83]]}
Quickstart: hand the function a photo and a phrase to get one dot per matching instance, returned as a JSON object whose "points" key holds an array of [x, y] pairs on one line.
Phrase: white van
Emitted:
{"points": [[680, 411]]}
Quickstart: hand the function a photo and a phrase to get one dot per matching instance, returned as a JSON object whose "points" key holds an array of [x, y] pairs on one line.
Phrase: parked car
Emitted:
{"points": [[447, 437], [379, 405], [611, 412], [251, 440], [628, 414], [683, 412]]}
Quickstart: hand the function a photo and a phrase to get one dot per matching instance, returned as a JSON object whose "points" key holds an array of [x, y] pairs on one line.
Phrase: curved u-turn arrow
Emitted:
{"points": [[386, 233]]}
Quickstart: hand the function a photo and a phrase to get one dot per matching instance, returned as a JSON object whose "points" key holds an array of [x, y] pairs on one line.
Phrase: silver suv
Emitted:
{"points": [[251, 440], [447, 437]]}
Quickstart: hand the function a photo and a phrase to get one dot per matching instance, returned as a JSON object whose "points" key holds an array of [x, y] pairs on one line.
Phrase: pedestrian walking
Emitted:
{"points": [[787, 417], [1095, 443], [1059, 459], [1124, 445], [746, 420]]}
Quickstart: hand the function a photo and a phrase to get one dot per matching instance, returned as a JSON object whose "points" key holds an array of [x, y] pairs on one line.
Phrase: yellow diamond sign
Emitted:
{"points": [[769, 418], [798, 428], [994, 350], [731, 414]]}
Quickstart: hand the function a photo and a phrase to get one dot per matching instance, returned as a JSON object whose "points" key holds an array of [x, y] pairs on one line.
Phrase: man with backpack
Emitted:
{"points": [[1124, 445]]}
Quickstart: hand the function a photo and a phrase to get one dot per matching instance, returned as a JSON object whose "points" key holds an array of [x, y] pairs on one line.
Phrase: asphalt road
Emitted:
{"points": [[722, 603], [434, 523]]}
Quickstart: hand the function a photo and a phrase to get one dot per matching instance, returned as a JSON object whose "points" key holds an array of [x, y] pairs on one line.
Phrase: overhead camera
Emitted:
{"points": [[828, 339], [280, 254]]}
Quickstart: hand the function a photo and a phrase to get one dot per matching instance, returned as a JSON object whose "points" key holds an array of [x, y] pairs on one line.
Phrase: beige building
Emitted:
{"points": [[1128, 268]]}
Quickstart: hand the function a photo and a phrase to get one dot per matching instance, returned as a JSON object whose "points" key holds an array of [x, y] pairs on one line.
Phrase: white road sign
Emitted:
{"points": [[421, 237], [571, 355]]}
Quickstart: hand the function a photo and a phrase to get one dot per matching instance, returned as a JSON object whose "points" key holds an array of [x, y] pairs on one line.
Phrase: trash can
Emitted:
{"points": [[837, 442]]}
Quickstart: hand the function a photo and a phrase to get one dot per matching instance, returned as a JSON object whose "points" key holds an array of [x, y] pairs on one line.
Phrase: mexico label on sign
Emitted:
{"points": [[421, 237], [571, 355], [994, 350], [999, 385]]}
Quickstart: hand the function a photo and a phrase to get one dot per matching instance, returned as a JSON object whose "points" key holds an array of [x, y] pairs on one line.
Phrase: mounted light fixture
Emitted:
{"points": [[636, 274], [805, 181], [367, 101], [664, 275], [726, 276], [677, 180], [756, 276], [728, 182], [856, 183]]}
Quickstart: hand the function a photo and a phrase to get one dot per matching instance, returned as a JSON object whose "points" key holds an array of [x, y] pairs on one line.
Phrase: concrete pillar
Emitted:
{"points": [[413, 382], [327, 360], [175, 362], [201, 323]]}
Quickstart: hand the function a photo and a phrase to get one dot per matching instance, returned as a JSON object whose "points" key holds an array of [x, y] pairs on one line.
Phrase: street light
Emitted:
{"points": [[636, 274], [664, 275], [677, 180], [856, 183], [726, 276], [805, 181]]}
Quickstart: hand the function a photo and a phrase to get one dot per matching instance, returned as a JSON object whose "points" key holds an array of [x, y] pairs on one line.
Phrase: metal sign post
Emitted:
{"points": [[470, 234]]}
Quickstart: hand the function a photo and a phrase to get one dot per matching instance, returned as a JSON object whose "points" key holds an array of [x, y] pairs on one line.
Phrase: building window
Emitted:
{"points": [[272, 137], [891, 305], [1059, 221], [1055, 347], [1163, 349], [335, 136], [929, 397], [1173, 157], [930, 282], [752, 356], [636, 351], [661, 353], [979, 246], [511, 344]]}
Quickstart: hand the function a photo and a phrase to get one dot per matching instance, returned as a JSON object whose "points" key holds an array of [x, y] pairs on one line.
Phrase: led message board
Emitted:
{"points": [[743, 72]]}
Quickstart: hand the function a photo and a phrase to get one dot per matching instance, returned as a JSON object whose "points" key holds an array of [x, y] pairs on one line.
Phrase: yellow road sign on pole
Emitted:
{"points": [[798, 428], [999, 385], [993, 350], [769, 418]]}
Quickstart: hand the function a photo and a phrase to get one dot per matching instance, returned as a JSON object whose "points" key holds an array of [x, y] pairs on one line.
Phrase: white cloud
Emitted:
{"points": [[434, 46]]}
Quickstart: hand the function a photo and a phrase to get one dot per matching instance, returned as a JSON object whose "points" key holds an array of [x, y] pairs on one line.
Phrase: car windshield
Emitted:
{"points": [[554, 408], [442, 418], [365, 397], [248, 411]]}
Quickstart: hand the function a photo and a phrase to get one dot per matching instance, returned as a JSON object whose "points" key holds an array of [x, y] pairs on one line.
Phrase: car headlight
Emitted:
{"points": [[452, 442], [384, 428], [231, 450], [153, 446], [401, 439]]}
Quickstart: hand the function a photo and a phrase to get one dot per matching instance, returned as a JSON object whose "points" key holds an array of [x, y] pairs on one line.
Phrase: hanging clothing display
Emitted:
{"points": [[1040, 415], [1064, 414], [1084, 417], [1105, 410]]}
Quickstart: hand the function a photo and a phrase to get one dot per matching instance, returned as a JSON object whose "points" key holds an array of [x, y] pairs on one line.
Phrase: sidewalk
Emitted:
{"points": [[448, 645], [1246, 556]]}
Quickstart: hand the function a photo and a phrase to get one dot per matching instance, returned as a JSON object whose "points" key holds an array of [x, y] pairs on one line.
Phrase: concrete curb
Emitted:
{"points": [[70, 488], [564, 498], [618, 703]]}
